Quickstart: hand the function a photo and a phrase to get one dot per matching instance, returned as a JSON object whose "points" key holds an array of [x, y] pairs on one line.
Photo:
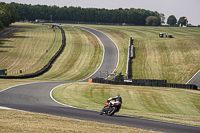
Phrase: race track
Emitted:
{"points": [[111, 54], [35, 97]]}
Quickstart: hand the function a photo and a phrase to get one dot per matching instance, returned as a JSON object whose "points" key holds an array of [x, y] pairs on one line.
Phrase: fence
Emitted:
{"points": [[146, 82], [47, 66]]}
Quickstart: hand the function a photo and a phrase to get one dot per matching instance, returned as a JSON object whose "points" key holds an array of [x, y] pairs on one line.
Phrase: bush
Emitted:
{"points": [[152, 21]]}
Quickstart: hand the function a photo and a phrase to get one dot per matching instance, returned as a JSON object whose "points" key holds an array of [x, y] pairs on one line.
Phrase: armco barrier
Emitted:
{"points": [[131, 55], [146, 82], [47, 66]]}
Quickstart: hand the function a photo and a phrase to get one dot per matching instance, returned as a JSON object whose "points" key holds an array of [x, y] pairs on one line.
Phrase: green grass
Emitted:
{"points": [[176, 59], [166, 104], [25, 49], [81, 57]]}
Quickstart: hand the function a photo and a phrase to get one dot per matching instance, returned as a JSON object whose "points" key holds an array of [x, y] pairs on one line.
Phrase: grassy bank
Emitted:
{"points": [[81, 57], [23, 48], [21, 122], [166, 104], [176, 59]]}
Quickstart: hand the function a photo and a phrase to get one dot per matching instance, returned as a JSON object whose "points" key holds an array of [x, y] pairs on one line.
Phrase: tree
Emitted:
{"points": [[171, 20], [162, 17], [8, 14], [12, 10], [152, 21], [182, 21], [4, 16]]}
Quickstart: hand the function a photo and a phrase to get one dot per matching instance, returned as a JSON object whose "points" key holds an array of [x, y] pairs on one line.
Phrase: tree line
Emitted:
{"points": [[8, 15], [130, 16]]}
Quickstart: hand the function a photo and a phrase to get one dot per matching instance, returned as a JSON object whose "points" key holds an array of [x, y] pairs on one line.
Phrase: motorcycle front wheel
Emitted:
{"points": [[101, 112]]}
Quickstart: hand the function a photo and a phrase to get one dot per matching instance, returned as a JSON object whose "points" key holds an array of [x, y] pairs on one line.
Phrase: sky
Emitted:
{"points": [[178, 8]]}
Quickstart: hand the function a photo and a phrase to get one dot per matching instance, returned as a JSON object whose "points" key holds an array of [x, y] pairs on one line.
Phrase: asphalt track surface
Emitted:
{"points": [[111, 54], [36, 97], [195, 79]]}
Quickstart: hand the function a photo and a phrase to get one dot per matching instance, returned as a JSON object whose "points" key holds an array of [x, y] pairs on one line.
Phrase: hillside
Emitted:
{"points": [[173, 59]]}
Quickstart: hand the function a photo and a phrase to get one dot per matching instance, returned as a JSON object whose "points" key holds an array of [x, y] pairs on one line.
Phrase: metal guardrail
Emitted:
{"points": [[146, 82]]}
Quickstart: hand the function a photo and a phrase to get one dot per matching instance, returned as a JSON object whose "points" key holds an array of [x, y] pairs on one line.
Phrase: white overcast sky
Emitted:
{"points": [[178, 8]]}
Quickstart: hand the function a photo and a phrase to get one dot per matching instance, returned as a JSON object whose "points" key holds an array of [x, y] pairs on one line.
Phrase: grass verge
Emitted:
{"points": [[166, 104], [19, 122]]}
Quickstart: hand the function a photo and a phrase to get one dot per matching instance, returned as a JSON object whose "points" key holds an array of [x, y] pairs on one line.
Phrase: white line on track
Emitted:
{"points": [[193, 77], [65, 104]]}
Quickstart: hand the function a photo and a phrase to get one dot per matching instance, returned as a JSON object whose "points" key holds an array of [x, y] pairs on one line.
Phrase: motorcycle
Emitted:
{"points": [[111, 109]]}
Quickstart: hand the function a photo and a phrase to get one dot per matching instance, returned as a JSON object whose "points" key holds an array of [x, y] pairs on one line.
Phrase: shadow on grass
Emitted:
{"points": [[11, 33], [6, 46], [2, 43], [1, 51], [4, 39], [19, 37]]}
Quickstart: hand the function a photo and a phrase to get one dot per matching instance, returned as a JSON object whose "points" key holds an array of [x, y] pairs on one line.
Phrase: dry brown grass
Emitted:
{"points": [[21, 122], [22, 48], [81, 57]]}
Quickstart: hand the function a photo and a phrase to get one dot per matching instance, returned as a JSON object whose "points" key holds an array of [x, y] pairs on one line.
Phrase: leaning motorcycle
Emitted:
{"points": [[112, 108]]}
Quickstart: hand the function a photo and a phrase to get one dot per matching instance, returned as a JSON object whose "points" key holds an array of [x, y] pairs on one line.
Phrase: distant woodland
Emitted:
{"points": [[15, 12]]}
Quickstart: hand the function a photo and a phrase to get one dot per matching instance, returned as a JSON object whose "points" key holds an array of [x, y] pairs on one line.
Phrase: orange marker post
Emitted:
{"points": [[90, 80]]}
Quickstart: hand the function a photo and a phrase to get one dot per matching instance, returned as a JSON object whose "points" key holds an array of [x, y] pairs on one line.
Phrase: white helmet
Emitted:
{"points": [[109, 99]]}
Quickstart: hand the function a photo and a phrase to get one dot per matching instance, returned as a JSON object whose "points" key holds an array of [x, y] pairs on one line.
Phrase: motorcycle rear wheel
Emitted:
{"points": [[111, 111]]}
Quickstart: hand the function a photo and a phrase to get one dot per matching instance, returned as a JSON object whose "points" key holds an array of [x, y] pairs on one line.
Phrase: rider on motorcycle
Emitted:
{"points": [[117, 99]]}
